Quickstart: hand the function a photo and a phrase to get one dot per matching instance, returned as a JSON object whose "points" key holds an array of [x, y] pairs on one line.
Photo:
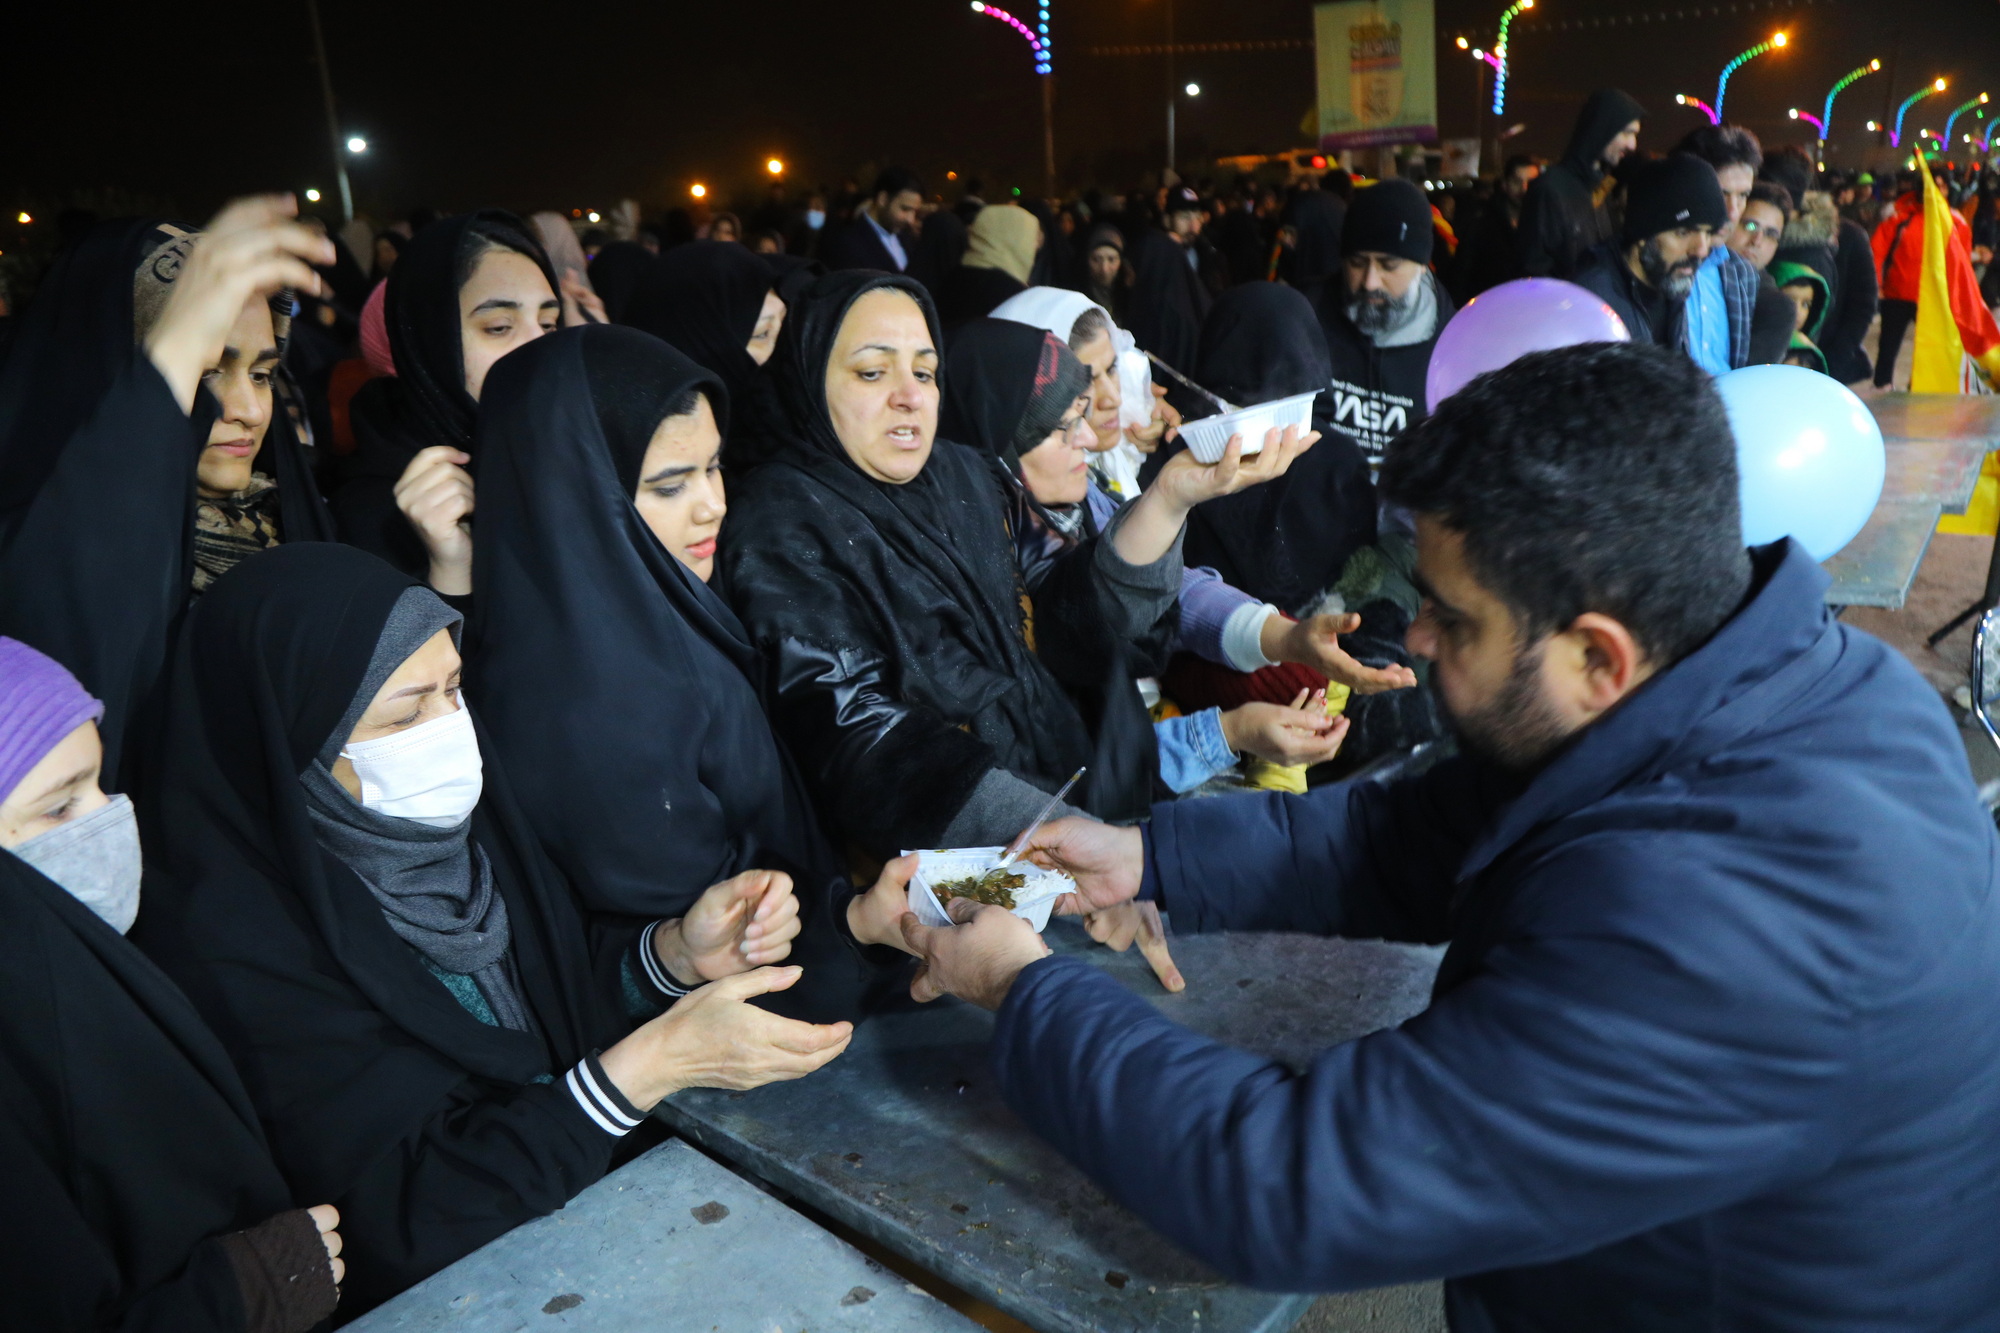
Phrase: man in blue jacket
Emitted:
{"points": [[1716, 1043]]}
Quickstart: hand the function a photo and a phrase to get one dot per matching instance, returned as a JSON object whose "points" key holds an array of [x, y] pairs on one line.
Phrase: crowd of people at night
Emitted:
{"points": [[466, 678]]}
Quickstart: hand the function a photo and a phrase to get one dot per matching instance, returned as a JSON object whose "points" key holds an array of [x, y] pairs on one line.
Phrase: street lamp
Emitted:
{"points": [[1778, 40], [1826, 112], [1038, 43], [1819, 126], [1714, 118], [1931, 89], [698, 190], [356, 144], [1500, 54], [775, 166], [1192, 90], [1969, 103], [312, 196]]}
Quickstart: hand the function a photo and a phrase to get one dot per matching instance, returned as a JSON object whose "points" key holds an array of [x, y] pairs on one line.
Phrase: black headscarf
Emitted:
{"points": [[421, 312], [424, 403], [348, 1043], [1284, 541], [126, 1138], [617, 274], [924, 572], [704, 299], [573, 587], [97, 558]]}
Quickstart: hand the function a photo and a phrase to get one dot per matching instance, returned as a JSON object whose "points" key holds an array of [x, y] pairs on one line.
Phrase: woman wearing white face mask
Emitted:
{"points": [[349, 892], [139, 1191]]}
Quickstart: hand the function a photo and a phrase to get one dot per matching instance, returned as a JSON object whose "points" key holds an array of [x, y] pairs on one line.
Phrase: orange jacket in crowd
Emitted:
{"points": [[1899, 246]]}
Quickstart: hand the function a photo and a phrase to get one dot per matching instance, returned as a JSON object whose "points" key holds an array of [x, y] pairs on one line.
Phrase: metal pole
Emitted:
{"points": [[332, 118], [1171, 92], [1049, 136]]}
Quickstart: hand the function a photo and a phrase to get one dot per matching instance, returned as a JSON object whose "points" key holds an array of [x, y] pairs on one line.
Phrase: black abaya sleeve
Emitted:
{"points": [[59, 1277], [96, 572], [426, 1160]]}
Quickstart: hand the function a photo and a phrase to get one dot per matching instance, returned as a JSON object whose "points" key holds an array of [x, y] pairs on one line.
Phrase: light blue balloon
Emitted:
{"points": [[1809, 454]]}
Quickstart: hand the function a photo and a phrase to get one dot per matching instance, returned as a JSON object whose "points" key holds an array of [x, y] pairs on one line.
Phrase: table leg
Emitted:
{"points": [[1987, 600]]}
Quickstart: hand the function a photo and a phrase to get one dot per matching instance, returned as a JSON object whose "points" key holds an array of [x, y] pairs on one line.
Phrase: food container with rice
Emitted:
{"points": [[1023, 888], [1208, 438]]}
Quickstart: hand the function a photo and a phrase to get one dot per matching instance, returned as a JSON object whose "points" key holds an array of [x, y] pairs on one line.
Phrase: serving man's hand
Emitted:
{"points": [[976, 960], [1106, 862]]}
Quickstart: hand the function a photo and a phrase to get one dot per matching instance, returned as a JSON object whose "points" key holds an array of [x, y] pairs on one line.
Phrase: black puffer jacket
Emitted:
{"points": [[1562, 216]]}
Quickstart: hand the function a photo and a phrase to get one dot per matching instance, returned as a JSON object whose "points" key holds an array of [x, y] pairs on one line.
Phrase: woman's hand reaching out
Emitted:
{"points": [[1315, 642], [1157, 515], [1300, 733], [715, 1038], [876, 917], [747, 921]]}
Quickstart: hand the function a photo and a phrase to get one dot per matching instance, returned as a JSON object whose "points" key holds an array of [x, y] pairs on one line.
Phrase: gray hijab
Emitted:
{"points": [[434, 885]]}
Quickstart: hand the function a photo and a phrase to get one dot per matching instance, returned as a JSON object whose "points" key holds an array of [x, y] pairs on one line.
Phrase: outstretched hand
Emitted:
{"points": [[1315, 642], [1300, 733], [1188, 481], [715, 1038]]}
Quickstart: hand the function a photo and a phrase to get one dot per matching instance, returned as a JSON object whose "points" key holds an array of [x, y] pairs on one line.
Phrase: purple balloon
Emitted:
{"points": [[1513, 319]]}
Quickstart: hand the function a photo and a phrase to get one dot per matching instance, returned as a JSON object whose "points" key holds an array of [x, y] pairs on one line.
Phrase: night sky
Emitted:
{"points": [[574, 105]]}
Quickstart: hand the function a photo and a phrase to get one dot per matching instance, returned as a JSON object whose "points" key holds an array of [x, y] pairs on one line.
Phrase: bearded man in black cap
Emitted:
{"points": [[1382, 318], [1673, 209]]}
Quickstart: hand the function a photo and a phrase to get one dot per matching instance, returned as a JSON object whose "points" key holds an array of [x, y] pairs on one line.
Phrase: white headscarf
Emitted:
{"points": [[1057, 310]]}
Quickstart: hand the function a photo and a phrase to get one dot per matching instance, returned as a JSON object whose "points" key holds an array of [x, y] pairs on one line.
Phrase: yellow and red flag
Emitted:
{"points": [[1957, 343]]}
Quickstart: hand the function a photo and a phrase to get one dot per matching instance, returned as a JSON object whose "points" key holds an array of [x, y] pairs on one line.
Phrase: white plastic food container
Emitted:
{"points": [[1209, 437], [1032, 901]]}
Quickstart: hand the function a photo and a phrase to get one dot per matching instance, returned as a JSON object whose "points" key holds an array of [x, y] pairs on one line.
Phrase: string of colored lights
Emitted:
{"points": [[1952, 120], [1819, 126], [1722, 84], [1826, 112], [1700, 106], [1500, 54], [1038, 44], [1931, 89]]}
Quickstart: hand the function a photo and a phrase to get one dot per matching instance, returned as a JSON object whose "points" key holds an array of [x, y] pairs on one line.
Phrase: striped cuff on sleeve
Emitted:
{"points": [[649, 966], [600, 1098]]}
